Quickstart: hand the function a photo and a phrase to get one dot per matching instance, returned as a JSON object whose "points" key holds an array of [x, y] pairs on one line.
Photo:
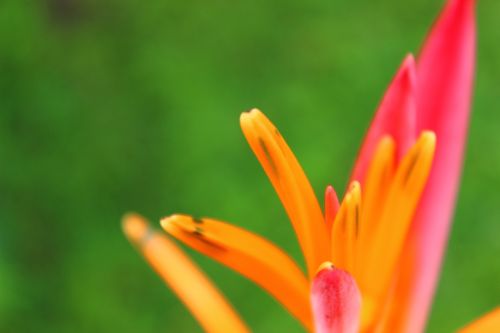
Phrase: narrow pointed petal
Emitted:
{"points": [[377, 183], [248, 254], [345, 229], [332, 206], [336, 301], [445, 71], [487, 324], [291, 185], [195, 290], [386, 244], [395, 117], [338, 238]]}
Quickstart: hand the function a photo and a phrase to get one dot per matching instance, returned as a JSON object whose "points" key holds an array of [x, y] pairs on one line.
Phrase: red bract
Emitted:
{"points": [[439, 101]]}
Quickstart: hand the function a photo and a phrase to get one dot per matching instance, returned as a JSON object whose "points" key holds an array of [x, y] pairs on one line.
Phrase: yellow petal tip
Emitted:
{"points": [[167, 221], [325, 265], [184, 223], [428, 136], [249, 114], [134, 226], [354, 186]]}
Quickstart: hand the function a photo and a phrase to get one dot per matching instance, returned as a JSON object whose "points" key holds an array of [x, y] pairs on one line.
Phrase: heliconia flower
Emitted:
{"points": [[372, 259], [362, 237]]}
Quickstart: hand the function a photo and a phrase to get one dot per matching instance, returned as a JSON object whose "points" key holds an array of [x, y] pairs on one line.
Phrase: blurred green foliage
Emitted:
{"points": [[113, 106]]}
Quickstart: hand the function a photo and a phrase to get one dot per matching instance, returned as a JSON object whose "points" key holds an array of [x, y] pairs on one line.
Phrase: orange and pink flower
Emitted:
{"points": [[373, 259]]}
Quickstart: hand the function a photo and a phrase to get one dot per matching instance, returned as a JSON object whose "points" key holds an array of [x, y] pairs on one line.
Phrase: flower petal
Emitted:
{"points": [[195, 290], [332, 206], [395, 117], [346, 229], [378, 263], [291, 185], [486, 324], [248, 254], [445, 70], [377, 183], [336, 301]]}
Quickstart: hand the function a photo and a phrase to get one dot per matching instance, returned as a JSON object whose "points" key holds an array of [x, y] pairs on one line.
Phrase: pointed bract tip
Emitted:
{"points": [[330, 193], [409, 61], [408, 70]]}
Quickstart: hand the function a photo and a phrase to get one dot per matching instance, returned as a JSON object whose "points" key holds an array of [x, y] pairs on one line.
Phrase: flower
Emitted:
{"points": [[372, 260], [363, 238]]}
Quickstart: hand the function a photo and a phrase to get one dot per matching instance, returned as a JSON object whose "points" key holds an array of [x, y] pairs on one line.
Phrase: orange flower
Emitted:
{"points": [[363, 237], [373, 259]]}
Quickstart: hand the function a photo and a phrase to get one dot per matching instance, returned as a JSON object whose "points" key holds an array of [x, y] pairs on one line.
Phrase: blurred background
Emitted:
{"points": [[115, 106]]}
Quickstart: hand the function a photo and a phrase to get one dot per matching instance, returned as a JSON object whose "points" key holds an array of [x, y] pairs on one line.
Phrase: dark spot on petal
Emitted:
{"points": [[199, 234], [197, 220], [198, 231], [268, 156], [413, 162]]}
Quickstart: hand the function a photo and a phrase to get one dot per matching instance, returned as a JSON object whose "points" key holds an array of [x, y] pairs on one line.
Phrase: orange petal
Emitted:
{"points": [[377, 183], [488, 323], [332, 206], [380, 258], [345, 229], [388, 315], [248, 254], [336, 301], [291, 185], [195, 290]]}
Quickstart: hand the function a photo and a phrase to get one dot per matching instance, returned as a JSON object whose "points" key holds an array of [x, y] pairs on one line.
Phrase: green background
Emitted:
{"points": [[115, 106]]}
